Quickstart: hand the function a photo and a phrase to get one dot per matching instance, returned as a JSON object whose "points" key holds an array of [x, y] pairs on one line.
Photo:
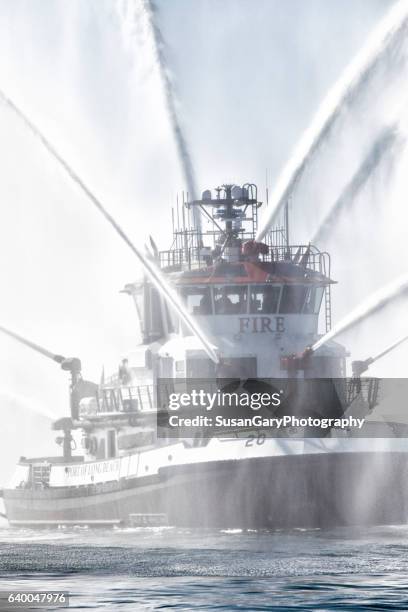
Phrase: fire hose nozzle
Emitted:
{"points": [[307, 352], [360, 366], [71, 365]]}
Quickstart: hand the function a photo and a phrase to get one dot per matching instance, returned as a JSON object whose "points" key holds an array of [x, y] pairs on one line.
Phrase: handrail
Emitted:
{"points": [[194, 258], [117, 398]]}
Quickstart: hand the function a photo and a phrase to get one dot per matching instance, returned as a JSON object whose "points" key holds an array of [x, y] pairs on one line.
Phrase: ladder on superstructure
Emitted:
{"points": [[327, 307]]}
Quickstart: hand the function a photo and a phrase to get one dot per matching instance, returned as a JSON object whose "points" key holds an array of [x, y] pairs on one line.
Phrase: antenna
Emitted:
{"points": [[185, 237], [184, 215], [266, 187], [287, 230]]}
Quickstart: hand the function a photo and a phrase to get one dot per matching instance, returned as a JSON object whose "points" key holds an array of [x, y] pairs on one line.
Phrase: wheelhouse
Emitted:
{"points": [[268, 298]]}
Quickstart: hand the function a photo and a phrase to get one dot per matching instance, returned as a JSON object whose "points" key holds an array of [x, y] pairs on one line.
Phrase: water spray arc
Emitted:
{"points": [[73, 365], [383, 145], [374, 303], [385, 39], [36, 347], [21, 400], [150, 11], [361, 366], [150, 268]]}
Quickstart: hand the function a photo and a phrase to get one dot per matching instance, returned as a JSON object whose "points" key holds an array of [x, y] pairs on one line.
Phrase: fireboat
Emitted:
{"points": [[259, 304]]}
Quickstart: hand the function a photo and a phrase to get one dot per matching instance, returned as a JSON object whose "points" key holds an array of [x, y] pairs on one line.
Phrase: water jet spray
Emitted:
{"points": [[78, 387], [361, 366], [150, 12], [149, 266], [374, 303], [383, 145], [385, 39]]}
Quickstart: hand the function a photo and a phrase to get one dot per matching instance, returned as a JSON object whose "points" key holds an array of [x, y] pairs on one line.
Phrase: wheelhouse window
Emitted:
{"points": [[313, 300], [231, 299], [198, 300], [264, 299], [293, 299]]}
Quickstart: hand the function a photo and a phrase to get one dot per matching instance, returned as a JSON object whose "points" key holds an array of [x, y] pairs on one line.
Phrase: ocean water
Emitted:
{"points": [[181, 569]]}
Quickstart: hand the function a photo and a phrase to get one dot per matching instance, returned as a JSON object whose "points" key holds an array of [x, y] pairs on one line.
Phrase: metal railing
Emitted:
{"points": [[366, 388], [125, 399], [180, 258], [302, 254], [200, 257]]}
